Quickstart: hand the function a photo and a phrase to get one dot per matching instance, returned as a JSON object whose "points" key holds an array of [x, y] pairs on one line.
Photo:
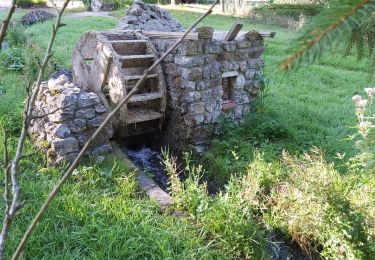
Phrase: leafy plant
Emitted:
{"points": [[12, 59]]}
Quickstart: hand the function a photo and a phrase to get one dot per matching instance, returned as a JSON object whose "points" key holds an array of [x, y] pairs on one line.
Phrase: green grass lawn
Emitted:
{"points": [[100, 213]]}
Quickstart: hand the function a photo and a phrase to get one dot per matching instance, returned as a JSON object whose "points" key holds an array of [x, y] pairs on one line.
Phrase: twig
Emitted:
{"points": [[76, 162], [49, 113], [31, 154], [28, 114], [6, 169], [5, 23]]}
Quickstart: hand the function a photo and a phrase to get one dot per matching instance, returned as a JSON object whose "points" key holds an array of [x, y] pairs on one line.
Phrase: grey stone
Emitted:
{"points": [[189, 85], [191, 96], [217, 92], [243, 44], [95, 122], [65, 72], [102, 149], [65, 146], [202, 85], [229, 46], [210, 107], [60, 80], [78, 125], [190, 48], [85, 113], [87, 99], [212, 47], [239, 83], [197, 108], [250, 73], [198, 119], [189, 61], [100, 109], [61, 131]]}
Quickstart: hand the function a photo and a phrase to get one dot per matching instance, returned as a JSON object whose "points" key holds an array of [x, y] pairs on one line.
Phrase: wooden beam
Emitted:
{"points": [[169, 35], [236, 28]]}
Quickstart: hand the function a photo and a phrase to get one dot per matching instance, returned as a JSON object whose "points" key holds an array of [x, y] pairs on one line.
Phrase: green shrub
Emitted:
{"points": [[28, 3], [225, 218], [12, 58], [311, 205]]}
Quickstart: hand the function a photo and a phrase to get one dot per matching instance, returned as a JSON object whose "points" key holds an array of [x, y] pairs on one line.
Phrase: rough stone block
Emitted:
{"points": [[191, 97], [188, 85], [61, 131], [242, 55], [87, 99], [223, 56], [229, 46], [244, 44], [217, 92], [65, 146], [239, 83], [190, 48], [212, 47], [256, 64], [100, 109], [206, 95], [202, 85], [197, 108], [189, 62], [192, 74], [102, 149], [170, 69], [95, 122], [85, 113], [256, 52], [77, 125]]}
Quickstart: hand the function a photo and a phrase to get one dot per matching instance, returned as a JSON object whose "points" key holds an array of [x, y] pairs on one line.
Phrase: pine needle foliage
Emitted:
{"points": [[344, 23]]}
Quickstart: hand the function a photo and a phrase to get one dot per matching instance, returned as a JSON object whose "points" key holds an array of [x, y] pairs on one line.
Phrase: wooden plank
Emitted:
{"points": [[137, 61], [236, 28], [169, 35], [137, 77], [141, 115], [145, 97]]}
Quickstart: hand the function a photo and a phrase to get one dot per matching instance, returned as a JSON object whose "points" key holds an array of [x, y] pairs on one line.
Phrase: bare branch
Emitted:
{"points": [[49, 113], [5, 23], [15, 204], [76, 162], [6, 169]]}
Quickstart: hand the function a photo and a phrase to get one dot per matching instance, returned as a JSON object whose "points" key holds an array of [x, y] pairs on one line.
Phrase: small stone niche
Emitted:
{"points": [[228, 81]]}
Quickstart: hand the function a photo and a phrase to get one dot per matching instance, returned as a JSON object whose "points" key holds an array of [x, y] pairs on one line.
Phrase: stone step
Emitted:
{"points": [[129, 47], [131, 61], [142, 115], [145, 97]]}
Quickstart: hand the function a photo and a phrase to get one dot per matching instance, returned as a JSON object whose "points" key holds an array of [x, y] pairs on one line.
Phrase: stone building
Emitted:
{"points": [[210, 77], [206, 79]]}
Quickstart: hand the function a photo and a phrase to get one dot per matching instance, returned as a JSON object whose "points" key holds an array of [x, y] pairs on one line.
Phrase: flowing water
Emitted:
{"points": [[150, 162]]}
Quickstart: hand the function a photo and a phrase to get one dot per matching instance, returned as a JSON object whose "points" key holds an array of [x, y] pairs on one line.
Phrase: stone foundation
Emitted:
{"points": [[65, 118]]}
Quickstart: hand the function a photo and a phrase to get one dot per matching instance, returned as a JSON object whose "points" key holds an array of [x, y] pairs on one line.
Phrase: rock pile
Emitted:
{"points": [[65, 118], [146, 17], [36, 16]]}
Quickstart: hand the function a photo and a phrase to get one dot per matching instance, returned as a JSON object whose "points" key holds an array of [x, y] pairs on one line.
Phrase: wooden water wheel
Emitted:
{"points": [[110, 63]]}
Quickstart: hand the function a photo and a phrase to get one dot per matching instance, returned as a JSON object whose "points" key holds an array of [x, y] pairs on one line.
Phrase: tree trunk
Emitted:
{"points": [[175, 2]]}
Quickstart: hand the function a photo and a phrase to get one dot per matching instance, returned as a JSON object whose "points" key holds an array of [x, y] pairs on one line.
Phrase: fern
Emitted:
{"points": [[349, 22]]}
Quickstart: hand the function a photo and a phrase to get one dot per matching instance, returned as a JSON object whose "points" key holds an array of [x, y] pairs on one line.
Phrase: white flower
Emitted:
{"points": [[370, 92], [362, 103], [357, 98]]}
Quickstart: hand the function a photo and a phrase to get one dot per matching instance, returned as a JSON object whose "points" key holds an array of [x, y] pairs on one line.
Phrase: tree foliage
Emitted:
{"points": [[343, 23]]}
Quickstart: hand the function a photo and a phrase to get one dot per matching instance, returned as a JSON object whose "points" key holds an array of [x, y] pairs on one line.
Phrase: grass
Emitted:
{"points": [[101, 213]]}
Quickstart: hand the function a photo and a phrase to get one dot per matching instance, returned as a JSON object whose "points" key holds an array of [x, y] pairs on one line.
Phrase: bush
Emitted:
{"points": [[225, 218], [12, 58], [311, 204], [28, 3]]}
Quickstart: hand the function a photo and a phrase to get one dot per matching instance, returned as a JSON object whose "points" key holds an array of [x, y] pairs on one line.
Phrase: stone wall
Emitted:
{"points": [[72, 115], [194, 75]]}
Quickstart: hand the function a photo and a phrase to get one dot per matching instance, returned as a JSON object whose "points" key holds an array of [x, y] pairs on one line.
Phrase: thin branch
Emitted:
{"points": [[5, 23], [28, 114], [76, 162], [6, 170], [31, 154], [49, 113]]}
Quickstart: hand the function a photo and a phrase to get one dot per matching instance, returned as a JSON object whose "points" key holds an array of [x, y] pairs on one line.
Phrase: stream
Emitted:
{"points": [[149, 162]]}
